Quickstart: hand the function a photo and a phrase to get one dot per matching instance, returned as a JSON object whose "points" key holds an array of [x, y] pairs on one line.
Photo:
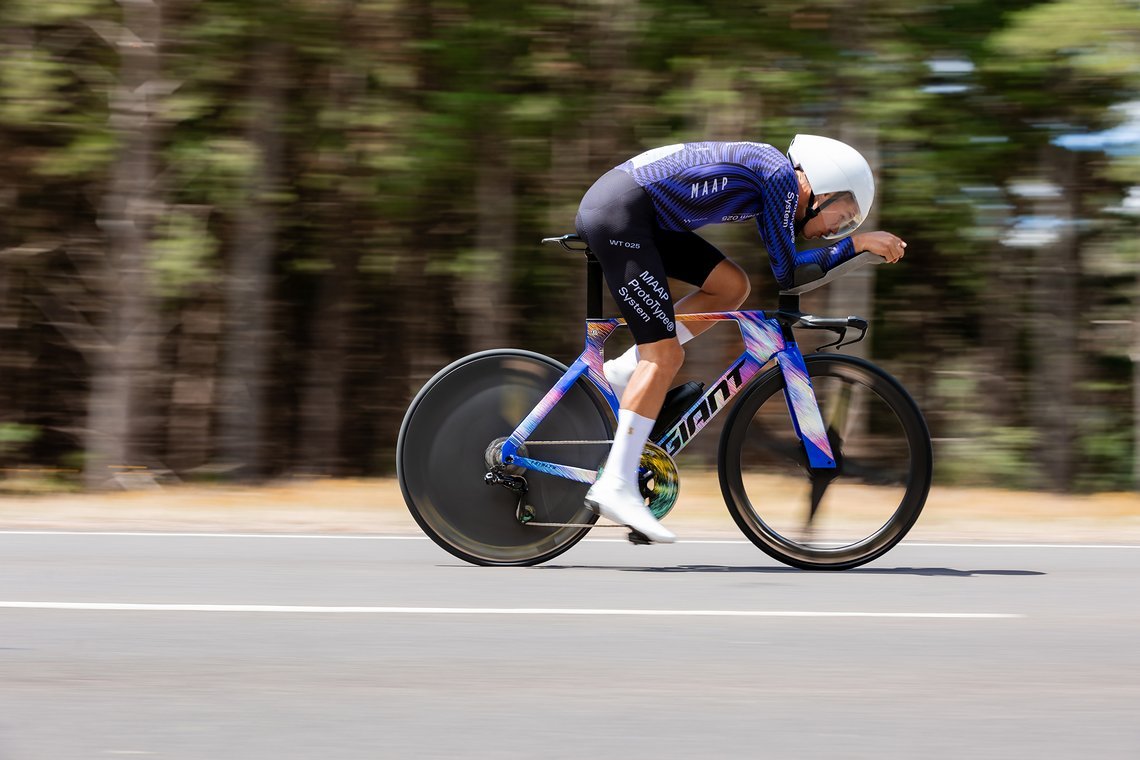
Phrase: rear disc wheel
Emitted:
{"points": [[450, 435]]}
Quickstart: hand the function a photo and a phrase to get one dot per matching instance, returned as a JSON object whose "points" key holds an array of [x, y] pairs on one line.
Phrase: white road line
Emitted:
{"points": [[123, 607], [161, 534], [977, 545], [355, 537]]}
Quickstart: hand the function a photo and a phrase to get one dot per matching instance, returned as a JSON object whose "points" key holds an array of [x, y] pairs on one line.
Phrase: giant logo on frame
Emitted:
{"points": [[692, 423]]}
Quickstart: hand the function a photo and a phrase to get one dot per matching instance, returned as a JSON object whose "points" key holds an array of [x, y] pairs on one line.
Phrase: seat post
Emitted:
{"points": [[593, 287]]}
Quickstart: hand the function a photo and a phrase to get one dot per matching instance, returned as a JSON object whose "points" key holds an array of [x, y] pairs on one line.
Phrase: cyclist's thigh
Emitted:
{"points": [[686, 255], [616, 219]]}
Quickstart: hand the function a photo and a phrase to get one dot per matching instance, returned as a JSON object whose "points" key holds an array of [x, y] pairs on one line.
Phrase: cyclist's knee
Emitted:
{"points": [[738, 286], [729, 284], [743, 288]]}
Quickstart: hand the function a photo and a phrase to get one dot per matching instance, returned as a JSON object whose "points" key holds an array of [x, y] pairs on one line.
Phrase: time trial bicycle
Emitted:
{"points": [[825, 460]]}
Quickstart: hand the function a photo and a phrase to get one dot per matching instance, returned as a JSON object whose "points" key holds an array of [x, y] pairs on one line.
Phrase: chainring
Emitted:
{"points": [[659, 480]]}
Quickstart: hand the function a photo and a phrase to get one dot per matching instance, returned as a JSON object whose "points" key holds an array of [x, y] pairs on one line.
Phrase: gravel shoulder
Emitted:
{"points": [[376, 506]]}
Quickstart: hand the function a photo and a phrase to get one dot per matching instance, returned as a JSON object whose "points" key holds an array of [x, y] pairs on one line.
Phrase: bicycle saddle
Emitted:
{"points": [[570, 242]]}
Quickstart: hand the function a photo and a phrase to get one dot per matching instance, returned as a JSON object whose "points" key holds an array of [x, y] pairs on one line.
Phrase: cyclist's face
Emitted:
{"points": [[834, 216]]}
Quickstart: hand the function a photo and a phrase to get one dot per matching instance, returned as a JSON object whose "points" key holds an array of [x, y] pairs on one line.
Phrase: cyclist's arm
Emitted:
{"points": [[827, 257], [777, 229]]}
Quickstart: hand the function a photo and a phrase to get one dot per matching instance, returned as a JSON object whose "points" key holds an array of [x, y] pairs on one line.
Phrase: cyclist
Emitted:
{"points": [[639, 218]]}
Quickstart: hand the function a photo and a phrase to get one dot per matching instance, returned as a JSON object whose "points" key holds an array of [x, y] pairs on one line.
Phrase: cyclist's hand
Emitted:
{"points": [[890, 247]]}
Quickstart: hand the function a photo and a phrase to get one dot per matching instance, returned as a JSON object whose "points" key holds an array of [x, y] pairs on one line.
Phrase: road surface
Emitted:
{"points": [[272, 647]]}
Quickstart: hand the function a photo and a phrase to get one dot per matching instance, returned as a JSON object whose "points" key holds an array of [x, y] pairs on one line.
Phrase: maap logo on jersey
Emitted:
{"points": [[708, 187]]}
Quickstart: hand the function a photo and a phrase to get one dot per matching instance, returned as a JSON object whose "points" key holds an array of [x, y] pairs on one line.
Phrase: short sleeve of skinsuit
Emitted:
{"points": [[694, 184]]}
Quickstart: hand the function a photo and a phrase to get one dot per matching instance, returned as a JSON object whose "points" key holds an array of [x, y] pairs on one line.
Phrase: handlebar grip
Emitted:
{"points": [[832, 323]]}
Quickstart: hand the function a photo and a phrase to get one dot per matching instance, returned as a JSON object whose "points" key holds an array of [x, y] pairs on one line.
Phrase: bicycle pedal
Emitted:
{"points": [[638, 539]]}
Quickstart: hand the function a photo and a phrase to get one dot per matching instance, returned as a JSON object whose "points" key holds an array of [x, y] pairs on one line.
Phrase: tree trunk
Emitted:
{"points": [[320, 450], [1053, 329], [1004, 305], [611, 35], [123, 369], [192, 394], [566, 182], [415, 309], [322, 402], [484, 295], [249, 280]]}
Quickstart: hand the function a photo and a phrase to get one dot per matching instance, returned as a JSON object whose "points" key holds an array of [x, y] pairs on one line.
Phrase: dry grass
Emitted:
{"points": [[376, 506]]}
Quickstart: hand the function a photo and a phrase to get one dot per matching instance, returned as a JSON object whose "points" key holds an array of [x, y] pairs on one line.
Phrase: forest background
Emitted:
{"points": [[236, 236]]}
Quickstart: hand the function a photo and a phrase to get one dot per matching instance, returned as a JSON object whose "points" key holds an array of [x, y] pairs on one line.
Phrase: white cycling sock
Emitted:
{"points": [[629, 440], [619, 371]]}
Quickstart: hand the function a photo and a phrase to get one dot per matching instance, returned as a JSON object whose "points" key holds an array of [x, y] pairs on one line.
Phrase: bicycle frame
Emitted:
{"points": [[764, 338]]}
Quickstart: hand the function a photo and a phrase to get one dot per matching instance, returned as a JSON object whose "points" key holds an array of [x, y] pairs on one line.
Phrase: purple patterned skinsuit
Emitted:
{"points": [[694, 184]]}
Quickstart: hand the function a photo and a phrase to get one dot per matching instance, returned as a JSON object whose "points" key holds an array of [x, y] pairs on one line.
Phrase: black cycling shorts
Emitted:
{"points": [[617, 220]]}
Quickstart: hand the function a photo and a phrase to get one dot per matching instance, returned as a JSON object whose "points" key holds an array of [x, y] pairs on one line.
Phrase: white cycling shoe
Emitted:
{"points": [[622, 503]]}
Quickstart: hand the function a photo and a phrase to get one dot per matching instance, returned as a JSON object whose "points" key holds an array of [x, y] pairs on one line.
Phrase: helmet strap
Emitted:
{"points": [[811, 213]]}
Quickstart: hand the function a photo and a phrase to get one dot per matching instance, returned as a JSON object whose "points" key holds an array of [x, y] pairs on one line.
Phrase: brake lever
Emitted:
{"points": [[838, 342], [858, 324]]}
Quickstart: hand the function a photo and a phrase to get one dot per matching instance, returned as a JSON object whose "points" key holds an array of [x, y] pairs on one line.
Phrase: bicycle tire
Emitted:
{"points": [[443, 440], [756, 454]]}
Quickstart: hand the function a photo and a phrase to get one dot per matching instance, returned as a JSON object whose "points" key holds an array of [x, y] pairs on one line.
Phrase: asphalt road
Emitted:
{"points": [[179, 646]]}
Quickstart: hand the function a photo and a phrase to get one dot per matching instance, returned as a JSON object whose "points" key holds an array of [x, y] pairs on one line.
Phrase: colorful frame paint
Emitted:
{"points": [[763, 340]]}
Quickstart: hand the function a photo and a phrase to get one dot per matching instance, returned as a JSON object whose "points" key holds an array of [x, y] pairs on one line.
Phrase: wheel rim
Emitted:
{"points": [[848, 515]]}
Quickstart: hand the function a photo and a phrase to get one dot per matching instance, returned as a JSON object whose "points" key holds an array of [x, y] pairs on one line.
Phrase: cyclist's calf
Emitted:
{"points": [[668, 355], [657, 366]]}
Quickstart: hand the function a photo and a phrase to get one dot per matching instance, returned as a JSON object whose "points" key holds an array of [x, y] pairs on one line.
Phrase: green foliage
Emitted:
{"points": [[392, 107], [997, 456], [1125, 169], [184, 252], [13, 436], [1094, 37], [86, 155], [215, 170], [35, 12], [1104, 444], [29, 83]]}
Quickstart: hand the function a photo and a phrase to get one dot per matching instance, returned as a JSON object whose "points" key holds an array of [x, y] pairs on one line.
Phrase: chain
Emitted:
{"points": [[564, 443], [573, 525]]}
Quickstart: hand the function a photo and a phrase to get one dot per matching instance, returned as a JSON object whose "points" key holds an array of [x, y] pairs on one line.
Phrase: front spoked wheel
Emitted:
{"points": [[827, 519], [451, 436]]}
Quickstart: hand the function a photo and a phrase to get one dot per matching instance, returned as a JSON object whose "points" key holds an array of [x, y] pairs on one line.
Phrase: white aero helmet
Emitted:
{"points": [[834, 167]]}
